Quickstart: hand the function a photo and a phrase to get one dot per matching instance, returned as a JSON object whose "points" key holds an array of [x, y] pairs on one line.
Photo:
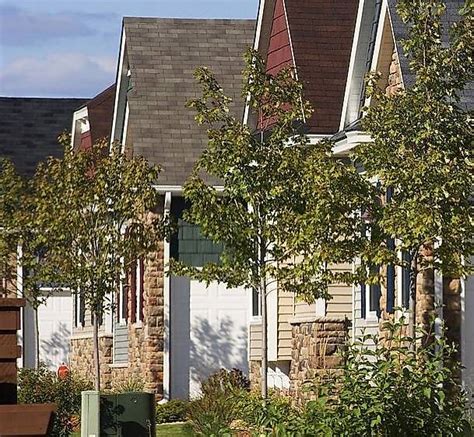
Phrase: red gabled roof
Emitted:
{"points": [[321, 34]]}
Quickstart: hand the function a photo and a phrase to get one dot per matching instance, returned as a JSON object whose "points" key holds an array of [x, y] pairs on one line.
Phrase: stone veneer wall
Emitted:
{"points": [[145, 351], [315, 343], [395, 76]]}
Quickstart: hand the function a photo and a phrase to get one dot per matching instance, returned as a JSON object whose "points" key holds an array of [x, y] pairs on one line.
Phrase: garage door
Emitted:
{"points": [[55, 327], [208, 332], [468, 334]]}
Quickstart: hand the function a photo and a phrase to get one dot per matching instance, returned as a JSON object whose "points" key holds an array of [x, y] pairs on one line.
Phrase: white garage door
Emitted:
{"points": [[55, 327], [208, 332]]}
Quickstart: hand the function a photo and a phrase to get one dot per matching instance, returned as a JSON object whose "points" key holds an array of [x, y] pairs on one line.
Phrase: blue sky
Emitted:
{"points": [[68, 48]]}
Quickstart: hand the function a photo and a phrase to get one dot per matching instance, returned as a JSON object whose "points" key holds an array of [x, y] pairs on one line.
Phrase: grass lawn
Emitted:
{"points": [[174, 429], [167, 430]]}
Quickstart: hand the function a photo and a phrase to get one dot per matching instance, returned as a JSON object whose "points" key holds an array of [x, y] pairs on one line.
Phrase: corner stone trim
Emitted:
{"points": [[315, 343]]}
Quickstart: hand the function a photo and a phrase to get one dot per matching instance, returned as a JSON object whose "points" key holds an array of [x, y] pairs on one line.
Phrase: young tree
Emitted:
{"points": [[95, 210], [12, 188], [21, 244], [287, 210], [422, 145]]}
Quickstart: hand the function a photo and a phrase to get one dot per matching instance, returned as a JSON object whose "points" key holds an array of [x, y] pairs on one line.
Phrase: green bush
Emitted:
{"points": [[175, 410], [214, 411], [41, 385], [392, 387], [398, 386]]}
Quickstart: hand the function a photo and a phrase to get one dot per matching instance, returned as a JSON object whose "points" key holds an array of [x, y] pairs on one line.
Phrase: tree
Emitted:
{"points": [[95, 210], [12, 188], [287, 210], [21, 243], [422, 145]]}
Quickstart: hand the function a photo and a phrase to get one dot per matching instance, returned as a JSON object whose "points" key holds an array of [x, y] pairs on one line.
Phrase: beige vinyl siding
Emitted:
{"points": [[341, 303], [255, 346], [285, 313], [289, 306]]}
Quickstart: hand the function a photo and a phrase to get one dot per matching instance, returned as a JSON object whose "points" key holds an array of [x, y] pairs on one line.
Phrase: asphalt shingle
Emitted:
{"points": [[163, 54], [30, 128]]}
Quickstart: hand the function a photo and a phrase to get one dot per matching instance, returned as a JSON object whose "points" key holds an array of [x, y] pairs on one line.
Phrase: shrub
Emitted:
{"points": [[132, 384], [396, 386], [43, 386], [175, 410], [214, 411]]}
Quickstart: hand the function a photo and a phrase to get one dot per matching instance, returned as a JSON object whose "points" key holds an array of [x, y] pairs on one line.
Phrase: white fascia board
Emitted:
{"points": [[125, 128], [344, 146], [258, 32], [117, 84], [378, 42], [178, 189], [355, 43], [256, 43], [316, 138]]}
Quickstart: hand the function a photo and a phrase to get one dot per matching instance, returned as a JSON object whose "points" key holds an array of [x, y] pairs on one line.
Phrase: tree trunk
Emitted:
{"points": [[37, 339], [263, 305], [95, 339]]}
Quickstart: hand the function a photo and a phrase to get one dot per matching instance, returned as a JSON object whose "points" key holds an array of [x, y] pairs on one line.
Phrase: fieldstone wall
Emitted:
{"points": [[315, 343], [255, 374], [145, 349], [395, 76], [452, 311]]}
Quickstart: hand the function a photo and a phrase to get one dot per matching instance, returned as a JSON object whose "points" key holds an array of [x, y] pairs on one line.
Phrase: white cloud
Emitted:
{"points": [[57, 75], [19, 27]]}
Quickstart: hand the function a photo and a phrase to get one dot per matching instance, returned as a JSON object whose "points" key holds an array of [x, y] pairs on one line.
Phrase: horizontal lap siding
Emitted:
{"points": [[255, 347], [341, 303], [279, 49], [285, 313]]}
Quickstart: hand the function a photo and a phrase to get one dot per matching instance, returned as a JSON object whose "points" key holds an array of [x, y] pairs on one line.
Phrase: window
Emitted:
{"points": [[256, 308], [136, 276], [374, 295], [406, 281]]}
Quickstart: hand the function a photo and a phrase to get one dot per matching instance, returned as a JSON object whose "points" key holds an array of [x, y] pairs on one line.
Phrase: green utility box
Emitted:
{"points": [[127, 415]]}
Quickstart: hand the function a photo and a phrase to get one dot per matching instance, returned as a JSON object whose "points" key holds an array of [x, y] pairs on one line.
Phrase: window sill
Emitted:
{"points": [[255, 320], [118, 365]]}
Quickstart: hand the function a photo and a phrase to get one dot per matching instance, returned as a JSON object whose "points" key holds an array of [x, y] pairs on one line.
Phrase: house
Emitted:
{"points": [[165, 331], [316, 39], [333, 46], [28, 136]]}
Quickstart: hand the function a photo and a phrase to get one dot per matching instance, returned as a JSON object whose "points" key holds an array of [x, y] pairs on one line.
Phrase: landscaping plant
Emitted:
{"points": [[175, 410], [43, 386], [392, 385]]}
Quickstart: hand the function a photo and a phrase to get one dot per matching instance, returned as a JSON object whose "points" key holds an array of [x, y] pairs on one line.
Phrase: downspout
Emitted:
{"points": [[166, 308]]}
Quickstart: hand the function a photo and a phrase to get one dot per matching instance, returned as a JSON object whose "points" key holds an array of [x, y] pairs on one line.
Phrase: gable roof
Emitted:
{"points": [[321, 34], [400, 32], [30, 128], [162, 56]]}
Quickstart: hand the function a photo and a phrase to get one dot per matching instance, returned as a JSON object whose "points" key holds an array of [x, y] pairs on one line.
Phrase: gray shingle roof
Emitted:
{"points": [[163, 54], [30, 127], [401, 32]]}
